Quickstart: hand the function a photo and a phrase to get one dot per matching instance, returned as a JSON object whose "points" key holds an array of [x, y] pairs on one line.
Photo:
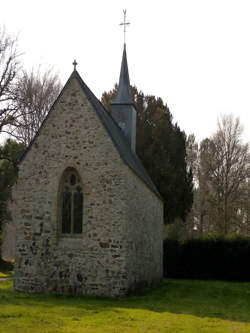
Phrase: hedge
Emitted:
{"points": [[214, 258], [5, 266]]}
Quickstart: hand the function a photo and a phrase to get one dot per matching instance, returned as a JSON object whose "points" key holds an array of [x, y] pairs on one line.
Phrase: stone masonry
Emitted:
{"points": [[120, 247]]}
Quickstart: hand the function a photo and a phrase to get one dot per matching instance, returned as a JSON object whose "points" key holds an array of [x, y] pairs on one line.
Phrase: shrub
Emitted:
{"points": [[213, 257]]}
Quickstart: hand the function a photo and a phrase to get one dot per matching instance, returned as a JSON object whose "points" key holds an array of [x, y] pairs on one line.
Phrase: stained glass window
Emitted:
{"points": [[71, 203], [78, 207], [66, 212]]}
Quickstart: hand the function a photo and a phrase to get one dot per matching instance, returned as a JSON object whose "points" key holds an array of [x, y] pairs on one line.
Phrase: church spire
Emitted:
{"points": [[124, 93], [122, 107]]}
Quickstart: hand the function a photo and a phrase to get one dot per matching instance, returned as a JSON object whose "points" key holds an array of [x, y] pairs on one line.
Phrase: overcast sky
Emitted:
{"points": [[195, 54]]}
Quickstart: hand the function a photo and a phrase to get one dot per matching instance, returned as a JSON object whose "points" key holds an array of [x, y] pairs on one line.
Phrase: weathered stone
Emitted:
{"points": [[104, 245]]}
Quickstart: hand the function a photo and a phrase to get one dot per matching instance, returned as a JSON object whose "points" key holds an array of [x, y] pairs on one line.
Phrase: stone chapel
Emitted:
{"points": [[89, 219]]}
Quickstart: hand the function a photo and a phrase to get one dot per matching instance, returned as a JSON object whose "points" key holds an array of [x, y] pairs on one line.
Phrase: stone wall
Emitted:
{"points": [[145, 230], [97, 262]]}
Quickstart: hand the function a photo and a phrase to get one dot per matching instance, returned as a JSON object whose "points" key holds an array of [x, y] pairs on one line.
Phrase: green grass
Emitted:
{"points": [[5, 274], [175, 306]]}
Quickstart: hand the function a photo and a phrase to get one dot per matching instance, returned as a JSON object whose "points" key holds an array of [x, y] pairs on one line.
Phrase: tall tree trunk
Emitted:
{"points": [[225, 215]]}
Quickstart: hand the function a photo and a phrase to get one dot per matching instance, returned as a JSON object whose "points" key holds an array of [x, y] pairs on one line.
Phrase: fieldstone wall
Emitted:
{"points": [[145, 230], [100, 261]]}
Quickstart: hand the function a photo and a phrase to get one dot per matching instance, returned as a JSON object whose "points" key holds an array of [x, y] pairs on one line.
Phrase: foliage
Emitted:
{"points": [[212, 257], [175, 230], [174, 307], [192, 154], [10, 153], [160, 145], [6, 268]]}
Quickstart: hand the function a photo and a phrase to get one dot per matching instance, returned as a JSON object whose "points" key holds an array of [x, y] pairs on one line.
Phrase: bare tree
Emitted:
{"points": [[9, 68], [224, 169], [36, 92]]}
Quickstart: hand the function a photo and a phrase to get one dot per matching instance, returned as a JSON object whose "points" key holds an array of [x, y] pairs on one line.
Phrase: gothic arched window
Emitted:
{"points": [[71, 203]]}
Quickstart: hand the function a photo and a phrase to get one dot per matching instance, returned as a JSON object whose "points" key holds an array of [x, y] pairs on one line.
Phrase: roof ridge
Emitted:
{"points": [[135, 163]]}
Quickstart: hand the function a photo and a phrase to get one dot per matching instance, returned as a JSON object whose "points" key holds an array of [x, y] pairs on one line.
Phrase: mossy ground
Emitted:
{"points": [[175, 306]]}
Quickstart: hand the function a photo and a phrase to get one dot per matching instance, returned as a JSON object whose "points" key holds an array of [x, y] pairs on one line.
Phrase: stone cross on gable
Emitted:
{"points": [[124, 24], [74, 64]]}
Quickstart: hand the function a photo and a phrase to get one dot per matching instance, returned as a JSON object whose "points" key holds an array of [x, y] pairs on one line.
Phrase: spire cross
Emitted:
{"points": [[74, 64], [124, 24]]}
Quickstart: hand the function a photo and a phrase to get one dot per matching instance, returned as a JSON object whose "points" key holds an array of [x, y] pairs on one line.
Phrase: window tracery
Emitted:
{"points": [[71, 199]]}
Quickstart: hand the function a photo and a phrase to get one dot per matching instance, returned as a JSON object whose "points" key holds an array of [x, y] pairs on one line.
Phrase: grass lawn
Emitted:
{"points": [[175, 306]]}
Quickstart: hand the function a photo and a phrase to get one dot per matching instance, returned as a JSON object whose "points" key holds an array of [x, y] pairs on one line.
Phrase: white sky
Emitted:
{"points": [[195, 54]]}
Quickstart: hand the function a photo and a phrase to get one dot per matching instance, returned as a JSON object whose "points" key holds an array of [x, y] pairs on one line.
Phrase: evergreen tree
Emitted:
{"points": [[10, 153], [161, 146]]}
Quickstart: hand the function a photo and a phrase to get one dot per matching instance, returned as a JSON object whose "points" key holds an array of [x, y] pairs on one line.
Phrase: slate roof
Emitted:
{"points": [[118, 138], [124, 93], [114, 131]]}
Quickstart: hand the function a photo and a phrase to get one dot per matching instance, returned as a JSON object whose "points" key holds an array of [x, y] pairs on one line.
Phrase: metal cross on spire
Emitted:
{"points": [[74, 64], [124, 24]]}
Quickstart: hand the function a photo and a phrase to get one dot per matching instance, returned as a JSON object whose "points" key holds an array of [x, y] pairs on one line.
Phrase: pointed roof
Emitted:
{"points": [[117, 136], [124, 93]]}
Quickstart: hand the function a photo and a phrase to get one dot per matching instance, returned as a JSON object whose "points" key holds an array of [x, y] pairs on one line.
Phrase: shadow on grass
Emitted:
{"points": [[214, 299]]}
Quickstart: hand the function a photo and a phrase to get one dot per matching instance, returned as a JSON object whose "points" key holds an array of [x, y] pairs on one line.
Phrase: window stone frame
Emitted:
{"points": [[73, 188]]}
